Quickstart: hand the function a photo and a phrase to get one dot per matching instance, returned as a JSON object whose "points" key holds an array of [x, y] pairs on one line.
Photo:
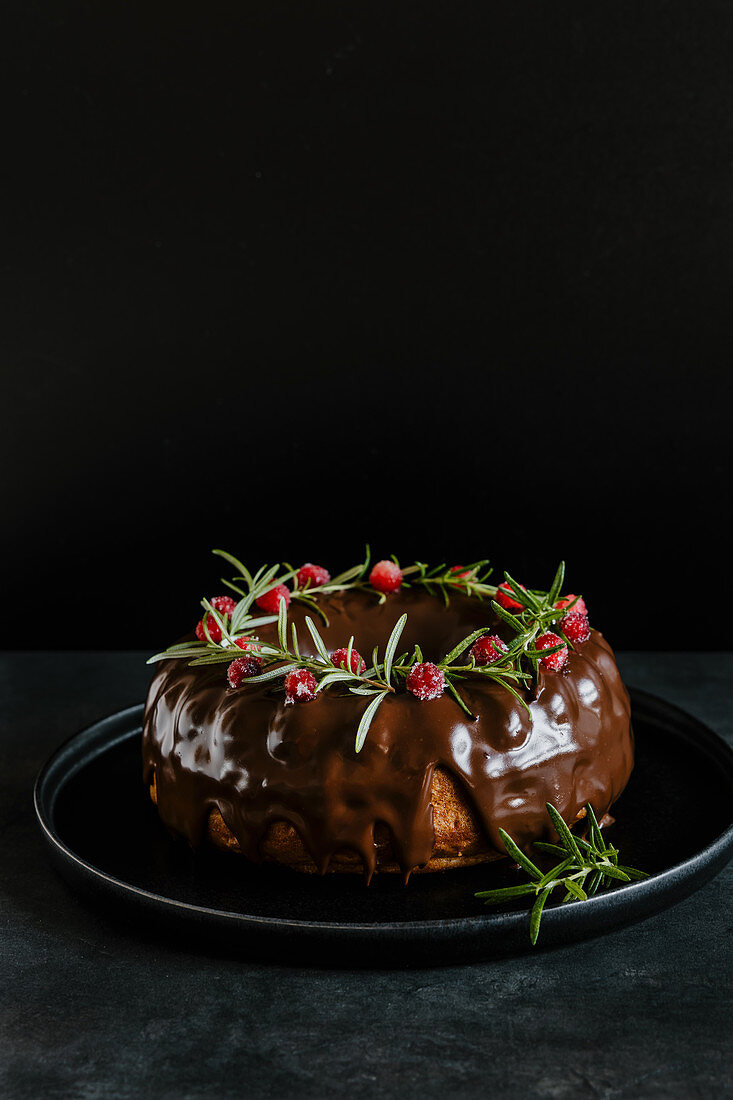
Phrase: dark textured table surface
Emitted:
{"points": [[89, 1009]]}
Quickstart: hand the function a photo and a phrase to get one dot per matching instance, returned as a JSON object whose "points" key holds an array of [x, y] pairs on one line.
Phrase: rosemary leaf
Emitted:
{"points": [[236, 563], [536, 915], [282, 624], [333, 678], [460, 700], [609, 871], [572, 886], [566, 837], [518, 855], [595, 829], [631, 872], [271, 674], [366, 719], [317, 640], [392, 644], [504, 893], [556, 586]]}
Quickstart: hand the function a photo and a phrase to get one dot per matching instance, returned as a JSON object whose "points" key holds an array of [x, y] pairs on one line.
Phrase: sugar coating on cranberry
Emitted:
{"points": [[578, 607], [459, 572], [213, 628], [245, 642], [300, 686], [242, 668], [270, 601], [505, 598], [488, 649], [386, 576], [225, 605], [575, 627], [426, 681], [553, 661], [339, 658], [312, 575]]}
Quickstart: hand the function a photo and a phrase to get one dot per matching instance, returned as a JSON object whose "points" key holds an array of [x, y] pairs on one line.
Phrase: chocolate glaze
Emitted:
{"points": [[260, 761]]}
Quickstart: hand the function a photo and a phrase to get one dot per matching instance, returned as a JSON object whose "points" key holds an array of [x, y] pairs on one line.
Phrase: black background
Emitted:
{"points": [[286, 277]]}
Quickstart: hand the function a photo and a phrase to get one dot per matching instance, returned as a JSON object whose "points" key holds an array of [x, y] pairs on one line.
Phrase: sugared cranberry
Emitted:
{"points": [[312, 575], [488, 649], [241, 668], [213, 628], [339, 658], [300, 686], [505, 598], [223, 604], [553, 661], [245, 642], [575, 626], [578, 607], [270, 601], [386, 576], [459, 572], [426, 681]]}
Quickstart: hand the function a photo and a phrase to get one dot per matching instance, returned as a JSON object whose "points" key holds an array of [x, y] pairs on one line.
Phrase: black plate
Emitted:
{"points": [[675, 820]]}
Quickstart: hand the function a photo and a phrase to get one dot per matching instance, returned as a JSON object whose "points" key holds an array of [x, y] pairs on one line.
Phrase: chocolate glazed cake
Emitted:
{"points": [[431, 786]]}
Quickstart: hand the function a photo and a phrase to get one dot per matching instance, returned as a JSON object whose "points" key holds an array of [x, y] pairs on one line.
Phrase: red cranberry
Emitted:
{"points": [[488, 649], [426, 681], [386, 576], [300, 686]]}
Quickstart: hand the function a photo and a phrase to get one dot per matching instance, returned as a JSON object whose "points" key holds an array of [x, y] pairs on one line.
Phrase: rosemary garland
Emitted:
{"points": [[585, 866], [514, 669]]}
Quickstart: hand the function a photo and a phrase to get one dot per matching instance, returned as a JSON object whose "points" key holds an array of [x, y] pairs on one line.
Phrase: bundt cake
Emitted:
{"points": [[272, 733]]}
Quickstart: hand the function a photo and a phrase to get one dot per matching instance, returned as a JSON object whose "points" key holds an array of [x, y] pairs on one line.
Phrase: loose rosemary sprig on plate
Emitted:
{"points": [[585, 866]]}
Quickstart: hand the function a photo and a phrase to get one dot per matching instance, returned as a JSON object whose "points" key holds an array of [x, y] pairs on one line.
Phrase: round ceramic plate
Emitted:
{"points": [[674, 820]]}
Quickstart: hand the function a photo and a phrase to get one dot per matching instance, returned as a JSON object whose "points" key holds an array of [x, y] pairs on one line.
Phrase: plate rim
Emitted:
{"points": [[689, 870]]}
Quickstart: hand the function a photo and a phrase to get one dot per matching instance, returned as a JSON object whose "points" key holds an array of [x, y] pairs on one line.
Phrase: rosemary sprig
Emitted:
{"points": [[375, 682], [585, 867], [211, 652], [505, 671], [268, 577], [443, 579], [538, 611], [255, 585], [516, 667]]}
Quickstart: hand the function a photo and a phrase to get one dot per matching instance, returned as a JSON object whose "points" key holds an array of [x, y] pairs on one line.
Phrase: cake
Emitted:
{"points": [[272, 734]]}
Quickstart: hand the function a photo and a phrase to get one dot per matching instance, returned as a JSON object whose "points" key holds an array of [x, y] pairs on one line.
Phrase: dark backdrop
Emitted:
{"points": [[285, 277]]}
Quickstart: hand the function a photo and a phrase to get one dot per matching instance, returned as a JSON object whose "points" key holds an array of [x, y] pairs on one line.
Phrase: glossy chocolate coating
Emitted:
{"points": [[260, 761]]}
